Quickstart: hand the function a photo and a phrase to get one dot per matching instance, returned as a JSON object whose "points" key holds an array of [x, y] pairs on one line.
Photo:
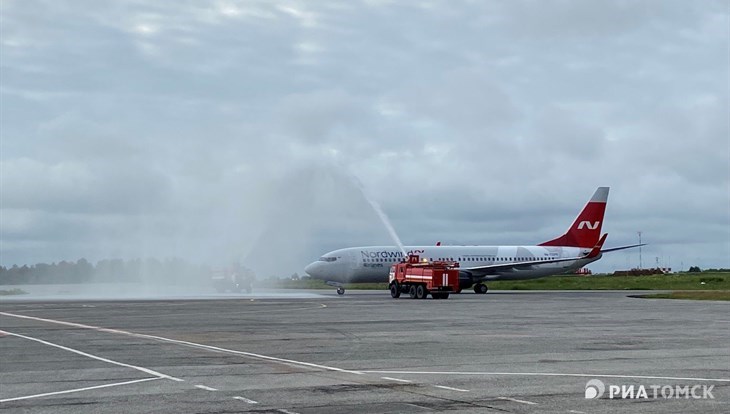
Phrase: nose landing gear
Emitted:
{"points": [[340, 287]]}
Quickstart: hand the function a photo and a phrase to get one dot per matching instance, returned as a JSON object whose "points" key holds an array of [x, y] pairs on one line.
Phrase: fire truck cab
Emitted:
{"points": [[421, 278]]}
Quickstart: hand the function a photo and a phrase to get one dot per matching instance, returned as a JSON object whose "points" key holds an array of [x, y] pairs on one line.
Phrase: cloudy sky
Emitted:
{"points": [[225, 130]]}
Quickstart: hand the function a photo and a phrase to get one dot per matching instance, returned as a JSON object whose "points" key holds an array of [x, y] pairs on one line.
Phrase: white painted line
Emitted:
{"points": [[245, 399], [517, 401], [576, 412], [541, 374], [281, 410], [75, 351], [190, 344], [203, 387], [395, 379], [27, 397], [450, 388], [420, 407]]}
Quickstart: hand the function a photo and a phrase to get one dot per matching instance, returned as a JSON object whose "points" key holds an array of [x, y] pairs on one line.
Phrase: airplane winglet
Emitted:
{"points": [[597, 248]]}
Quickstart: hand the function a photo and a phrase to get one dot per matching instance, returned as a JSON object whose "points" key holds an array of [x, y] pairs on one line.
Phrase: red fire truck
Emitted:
{"points": [[419, 278]]}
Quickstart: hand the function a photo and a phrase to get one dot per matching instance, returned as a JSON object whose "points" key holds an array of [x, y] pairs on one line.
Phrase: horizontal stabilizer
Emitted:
{"points": [[613, 249]]}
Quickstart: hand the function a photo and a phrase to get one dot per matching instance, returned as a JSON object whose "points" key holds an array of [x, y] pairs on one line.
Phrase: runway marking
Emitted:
{"points": [[421, 407], [203, 387], [517, 401], [76, 351], [190, 344], [576, 412], [395, 379], [542, 374], [450, 388], [27, 397], [281, 410], [245, 400]]}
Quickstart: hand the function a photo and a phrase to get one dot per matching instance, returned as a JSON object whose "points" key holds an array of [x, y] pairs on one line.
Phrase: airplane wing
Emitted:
{"points": [[509, 267], [481, 271]]}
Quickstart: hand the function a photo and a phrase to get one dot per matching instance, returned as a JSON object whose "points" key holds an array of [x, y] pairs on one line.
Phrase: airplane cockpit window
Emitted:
{"points": [[327, 259]]}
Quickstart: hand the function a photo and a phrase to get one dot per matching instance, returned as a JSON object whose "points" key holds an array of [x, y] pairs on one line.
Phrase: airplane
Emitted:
{"points": [[581, 244]]}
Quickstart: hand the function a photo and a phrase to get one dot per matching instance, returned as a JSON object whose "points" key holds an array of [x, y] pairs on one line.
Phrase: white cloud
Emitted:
{"points": [[191, 129]]}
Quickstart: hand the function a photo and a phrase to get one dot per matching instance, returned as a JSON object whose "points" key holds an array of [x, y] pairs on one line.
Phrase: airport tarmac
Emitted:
{"points": [[516, 352]]}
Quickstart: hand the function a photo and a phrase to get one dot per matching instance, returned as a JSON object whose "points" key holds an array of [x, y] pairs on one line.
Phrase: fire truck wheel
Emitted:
{"points": [[480, 288], [394, 290], [412, 292], [340, 291], [421, 292]]}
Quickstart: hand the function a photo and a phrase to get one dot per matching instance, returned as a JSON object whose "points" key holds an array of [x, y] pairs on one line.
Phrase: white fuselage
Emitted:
{"points": [[372, 263]]}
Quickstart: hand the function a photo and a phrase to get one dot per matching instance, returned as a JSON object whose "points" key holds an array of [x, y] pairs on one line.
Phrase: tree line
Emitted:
{"points": [[109, 270]]}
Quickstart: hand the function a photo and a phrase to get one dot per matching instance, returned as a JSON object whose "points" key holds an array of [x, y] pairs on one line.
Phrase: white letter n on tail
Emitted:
{"points": [[591, 226]]}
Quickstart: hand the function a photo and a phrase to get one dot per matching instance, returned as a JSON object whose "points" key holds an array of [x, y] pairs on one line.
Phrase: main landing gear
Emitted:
{"points": [[340, 291], [480, 288]]}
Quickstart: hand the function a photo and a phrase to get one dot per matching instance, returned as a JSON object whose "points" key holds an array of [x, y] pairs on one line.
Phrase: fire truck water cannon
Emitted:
{"points": [[419, 278]]}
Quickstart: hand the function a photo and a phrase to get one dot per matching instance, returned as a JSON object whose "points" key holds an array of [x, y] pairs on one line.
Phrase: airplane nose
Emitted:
{"points": [[311, 269]]}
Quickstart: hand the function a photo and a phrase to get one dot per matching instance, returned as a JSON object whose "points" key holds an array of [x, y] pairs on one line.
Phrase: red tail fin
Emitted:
{"points": [[586, 229]]}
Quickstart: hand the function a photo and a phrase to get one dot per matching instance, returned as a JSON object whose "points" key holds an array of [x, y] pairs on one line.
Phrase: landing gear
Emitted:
{"points": [[394, 290], [480, 288], [340, 287]]}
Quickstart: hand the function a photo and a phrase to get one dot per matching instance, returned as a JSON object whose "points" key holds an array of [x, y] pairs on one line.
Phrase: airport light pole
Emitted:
{"points": [[639, 233]]}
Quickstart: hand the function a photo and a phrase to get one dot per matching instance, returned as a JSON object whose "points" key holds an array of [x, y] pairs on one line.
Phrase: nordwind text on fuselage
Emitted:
{"points": [[384, 254]]}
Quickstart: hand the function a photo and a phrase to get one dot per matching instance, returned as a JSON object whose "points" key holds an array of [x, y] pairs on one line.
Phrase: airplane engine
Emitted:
{"points": [[465, 280]]}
